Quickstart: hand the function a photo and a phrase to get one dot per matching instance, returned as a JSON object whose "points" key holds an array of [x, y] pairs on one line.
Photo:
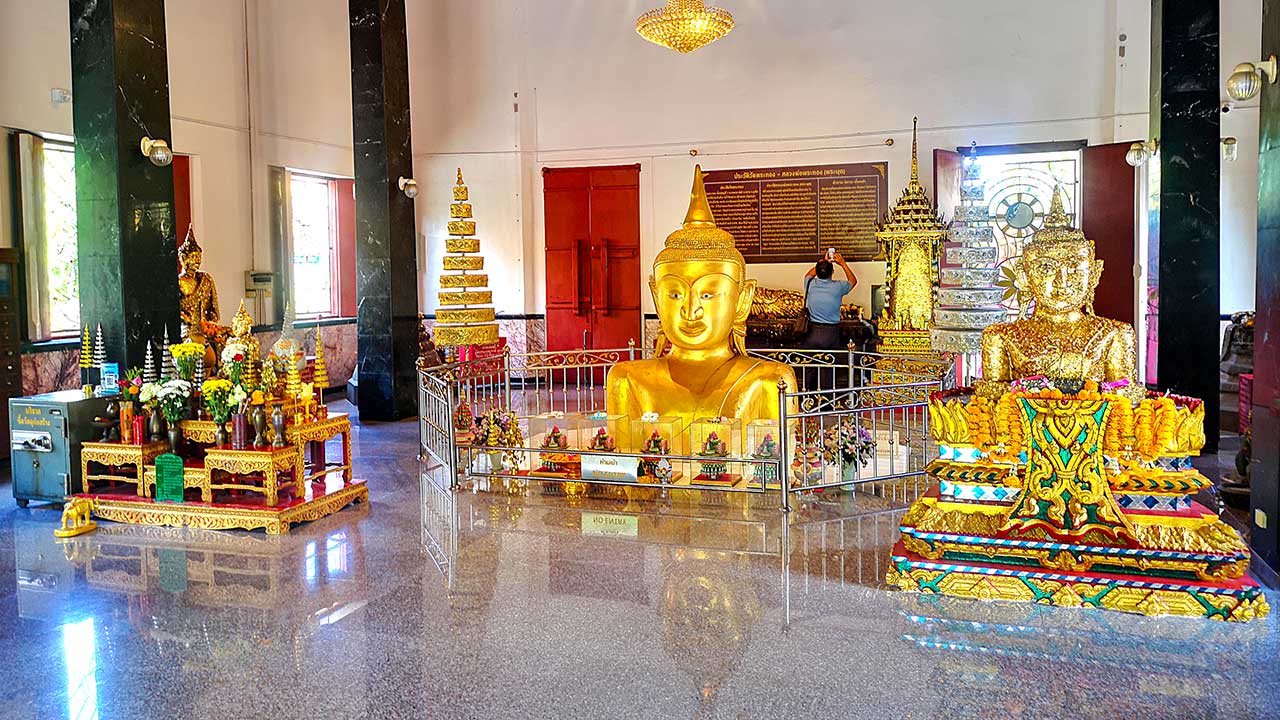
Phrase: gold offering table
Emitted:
{"points": [[117, 455], [265, 464], [226, 487]]}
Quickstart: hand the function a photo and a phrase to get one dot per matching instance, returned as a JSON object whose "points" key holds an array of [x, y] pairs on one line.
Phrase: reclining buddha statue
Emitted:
{"points": [[1062, 481], [702, 295]]}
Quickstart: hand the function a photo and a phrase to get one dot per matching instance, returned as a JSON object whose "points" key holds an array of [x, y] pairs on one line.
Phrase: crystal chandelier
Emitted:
{"points": [[684, 25]]}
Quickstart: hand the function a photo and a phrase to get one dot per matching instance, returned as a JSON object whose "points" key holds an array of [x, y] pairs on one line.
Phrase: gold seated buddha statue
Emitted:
{"points": [[1062, 338], [702, 295]]}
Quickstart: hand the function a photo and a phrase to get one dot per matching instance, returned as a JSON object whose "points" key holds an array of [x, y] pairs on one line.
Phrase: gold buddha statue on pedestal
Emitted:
{"points": [[1061, 338], [703, 297], [198, 301]]}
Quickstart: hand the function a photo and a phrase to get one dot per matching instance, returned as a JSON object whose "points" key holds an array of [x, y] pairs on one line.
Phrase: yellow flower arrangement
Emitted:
{"points": [[1008, 428], [1119, 431], [185, 356], [978, 413], [183, 351], [216, 393]]}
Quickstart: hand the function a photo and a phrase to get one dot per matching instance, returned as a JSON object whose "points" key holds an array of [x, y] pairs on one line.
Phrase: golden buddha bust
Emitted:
{"points": [[1061, 338], [198, 300], [703, 297]]}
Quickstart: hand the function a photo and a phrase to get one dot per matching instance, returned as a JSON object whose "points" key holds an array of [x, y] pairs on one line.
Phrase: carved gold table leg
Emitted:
{"points": [[84, 475], [270, 483]]}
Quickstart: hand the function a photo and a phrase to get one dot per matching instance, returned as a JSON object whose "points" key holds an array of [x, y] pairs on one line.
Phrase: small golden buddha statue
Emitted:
{"points": [[199, 295], [242, 333], [1062, 338], [703, 298]]}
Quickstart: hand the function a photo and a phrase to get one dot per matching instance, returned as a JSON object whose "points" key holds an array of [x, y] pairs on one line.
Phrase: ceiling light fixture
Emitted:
{"points": [[684, 25]]}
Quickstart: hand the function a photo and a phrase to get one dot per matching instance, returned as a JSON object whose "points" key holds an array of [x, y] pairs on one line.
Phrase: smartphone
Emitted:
{"points": [[831, 253]]}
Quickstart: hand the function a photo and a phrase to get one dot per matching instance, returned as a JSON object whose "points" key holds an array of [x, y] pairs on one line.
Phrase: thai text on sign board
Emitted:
{"points": [[793, 214]]}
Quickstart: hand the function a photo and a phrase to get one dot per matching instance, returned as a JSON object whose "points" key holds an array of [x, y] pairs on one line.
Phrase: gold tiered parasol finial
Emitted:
{"points": [[915, 160]]}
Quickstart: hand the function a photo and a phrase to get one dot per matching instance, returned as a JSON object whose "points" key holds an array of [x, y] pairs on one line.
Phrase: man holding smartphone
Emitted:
{"points": [[823, 297]]}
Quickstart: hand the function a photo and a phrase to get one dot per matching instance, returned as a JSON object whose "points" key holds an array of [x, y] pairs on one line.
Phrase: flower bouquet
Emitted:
{"points": [[185, 356], [130, 385], [216, 393], [848, 444], [499, 429], [172, 397], [234, 357]]}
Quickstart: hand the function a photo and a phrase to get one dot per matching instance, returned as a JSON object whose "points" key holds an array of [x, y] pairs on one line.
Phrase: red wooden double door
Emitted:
{"points": [[592, 256]]}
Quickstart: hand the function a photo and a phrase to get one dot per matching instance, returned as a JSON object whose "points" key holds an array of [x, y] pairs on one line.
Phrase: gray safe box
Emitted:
{"points": [[45, 432]]}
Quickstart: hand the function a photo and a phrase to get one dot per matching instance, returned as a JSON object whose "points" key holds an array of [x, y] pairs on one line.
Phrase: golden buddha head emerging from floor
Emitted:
{"points": [[189, 252], [1058, 266], [701, 368], [699, 283]]}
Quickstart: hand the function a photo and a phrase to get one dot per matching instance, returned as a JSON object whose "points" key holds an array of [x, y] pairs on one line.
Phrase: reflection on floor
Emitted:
{"points": [[520, 602]]}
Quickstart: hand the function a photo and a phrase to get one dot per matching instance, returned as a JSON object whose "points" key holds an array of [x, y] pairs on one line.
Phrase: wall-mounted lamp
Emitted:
{"points": [[409, 187], [1229, 149], [1246, 81], [1140, 152], [157, 151]]}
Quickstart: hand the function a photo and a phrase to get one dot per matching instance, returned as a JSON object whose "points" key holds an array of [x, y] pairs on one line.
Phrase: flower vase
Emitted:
{"points": [[126, 422], [277, 426], [110, 433], [239, 431], [259, 426], [157, 425], [220, 437], [175, 437]]}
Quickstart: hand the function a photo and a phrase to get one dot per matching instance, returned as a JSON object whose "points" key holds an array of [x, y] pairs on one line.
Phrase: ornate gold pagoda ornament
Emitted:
{"points": [[458, 321], [684, 25], [910, 239]]}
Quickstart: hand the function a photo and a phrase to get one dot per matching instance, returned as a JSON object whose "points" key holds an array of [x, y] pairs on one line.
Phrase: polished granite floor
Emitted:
{"points": [[533, 605]]}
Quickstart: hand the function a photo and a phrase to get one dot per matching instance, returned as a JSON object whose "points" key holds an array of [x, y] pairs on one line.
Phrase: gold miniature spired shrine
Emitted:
{"points": [[910, 239], [1062, 482]]}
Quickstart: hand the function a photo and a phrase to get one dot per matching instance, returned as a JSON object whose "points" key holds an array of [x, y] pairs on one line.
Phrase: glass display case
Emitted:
{"points": [[762, 444], [718, 444]]}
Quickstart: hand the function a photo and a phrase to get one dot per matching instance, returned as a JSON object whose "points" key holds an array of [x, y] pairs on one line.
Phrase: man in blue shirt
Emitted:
{"points": [[823, 297]]}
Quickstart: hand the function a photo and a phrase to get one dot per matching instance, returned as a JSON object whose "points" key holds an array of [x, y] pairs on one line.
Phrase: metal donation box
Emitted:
{"points": [[45, 432]]}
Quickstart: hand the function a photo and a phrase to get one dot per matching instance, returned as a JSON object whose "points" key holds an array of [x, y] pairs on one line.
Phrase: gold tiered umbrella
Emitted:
{"points": [[466, 314]]}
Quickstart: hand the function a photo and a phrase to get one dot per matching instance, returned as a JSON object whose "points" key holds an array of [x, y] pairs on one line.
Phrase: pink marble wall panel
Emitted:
{"points": [[44, 372], [339, 348]]}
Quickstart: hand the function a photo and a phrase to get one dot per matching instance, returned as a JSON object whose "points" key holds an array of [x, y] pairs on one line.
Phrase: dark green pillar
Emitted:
{"points": [[128, 261]]}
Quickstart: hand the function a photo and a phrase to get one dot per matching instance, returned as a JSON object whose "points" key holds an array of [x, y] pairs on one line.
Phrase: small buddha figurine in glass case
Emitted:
{"points": [[658, 437], [762, 444], [716, 441], [601, 431]]}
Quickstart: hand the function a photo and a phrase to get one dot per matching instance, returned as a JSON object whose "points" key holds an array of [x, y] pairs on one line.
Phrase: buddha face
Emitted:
{"points": [[190, 261], [1061, 277], [699, 302]]}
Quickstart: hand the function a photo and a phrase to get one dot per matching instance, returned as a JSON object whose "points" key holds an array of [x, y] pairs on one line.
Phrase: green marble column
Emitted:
{"points": [[127, 256]]}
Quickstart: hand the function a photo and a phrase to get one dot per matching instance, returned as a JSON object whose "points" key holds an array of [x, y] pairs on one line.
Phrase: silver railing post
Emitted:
{"points": [[506, 376], [784, 479], [451, 402]]}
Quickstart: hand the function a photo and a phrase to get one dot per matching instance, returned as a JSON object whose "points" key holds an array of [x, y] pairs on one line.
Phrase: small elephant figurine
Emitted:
{"points": [[75, 518]]}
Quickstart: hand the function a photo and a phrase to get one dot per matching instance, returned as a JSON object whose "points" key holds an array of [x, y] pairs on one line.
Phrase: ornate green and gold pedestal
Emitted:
{"points": [[1073, 499]]}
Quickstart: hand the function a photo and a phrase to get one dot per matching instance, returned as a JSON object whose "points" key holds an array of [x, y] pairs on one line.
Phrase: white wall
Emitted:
{"points": [[800, 82], [1241, 41], [803, 82], [300, 111]]}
